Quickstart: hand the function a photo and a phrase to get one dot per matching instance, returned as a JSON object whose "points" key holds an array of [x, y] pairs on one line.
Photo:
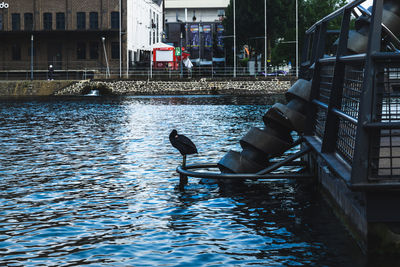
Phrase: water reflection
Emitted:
{"points": [[92, 182]]}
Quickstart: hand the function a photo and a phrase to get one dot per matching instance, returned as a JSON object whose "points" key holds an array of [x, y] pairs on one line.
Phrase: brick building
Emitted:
{"points": [[75, 34]]}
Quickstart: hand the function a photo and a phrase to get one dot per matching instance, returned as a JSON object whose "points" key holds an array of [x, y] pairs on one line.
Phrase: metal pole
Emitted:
{"points": [[151, 62], [32, 57], [120, 40], [234, 38], [103, 39], [297, 38], [181, 56], [266, 55]]}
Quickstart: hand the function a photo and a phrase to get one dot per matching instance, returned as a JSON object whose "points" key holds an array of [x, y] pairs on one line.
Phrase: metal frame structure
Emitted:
{"points": [[354, 120]]}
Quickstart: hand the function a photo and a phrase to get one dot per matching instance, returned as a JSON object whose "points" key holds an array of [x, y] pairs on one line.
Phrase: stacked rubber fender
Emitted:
{"points": [[260, 145], [358, 39]]}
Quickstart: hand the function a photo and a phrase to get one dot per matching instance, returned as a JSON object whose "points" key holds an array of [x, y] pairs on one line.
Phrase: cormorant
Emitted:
{"points": [[183, 144]]}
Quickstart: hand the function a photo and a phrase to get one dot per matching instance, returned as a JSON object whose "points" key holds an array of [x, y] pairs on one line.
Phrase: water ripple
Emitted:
{"points": [[93, 182]]}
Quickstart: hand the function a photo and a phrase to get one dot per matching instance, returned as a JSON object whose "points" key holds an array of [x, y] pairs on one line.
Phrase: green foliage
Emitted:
{"points": [[281, 21]]}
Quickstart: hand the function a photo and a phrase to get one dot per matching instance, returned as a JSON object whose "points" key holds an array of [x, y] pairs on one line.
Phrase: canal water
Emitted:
{"points": [[92, 181]]}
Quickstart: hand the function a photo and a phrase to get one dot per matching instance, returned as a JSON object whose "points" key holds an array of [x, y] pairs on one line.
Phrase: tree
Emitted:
{"points": [[281, 21]]}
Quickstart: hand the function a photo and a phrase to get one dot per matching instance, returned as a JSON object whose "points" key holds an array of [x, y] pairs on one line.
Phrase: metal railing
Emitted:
{"points": [[78, 70], [354, 122]]}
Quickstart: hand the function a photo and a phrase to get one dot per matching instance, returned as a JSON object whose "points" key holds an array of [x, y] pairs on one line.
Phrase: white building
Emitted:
{"points": [[195, 10], [144, 27]]}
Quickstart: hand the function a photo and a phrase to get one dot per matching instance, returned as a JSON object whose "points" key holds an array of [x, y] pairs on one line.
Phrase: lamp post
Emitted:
{"points": [[265, 33], [31, 57], [234, 38], [103, 39]]}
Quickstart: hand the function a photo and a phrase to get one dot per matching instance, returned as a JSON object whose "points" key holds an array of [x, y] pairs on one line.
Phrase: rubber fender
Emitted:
{"points": [[286, 117], [264, 141], [234, 162], [391, 21], [254, 154], [298, 105], [278, 130], [300, 89], [358, 40]]}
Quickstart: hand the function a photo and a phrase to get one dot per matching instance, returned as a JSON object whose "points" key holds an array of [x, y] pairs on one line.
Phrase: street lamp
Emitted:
{"points": [[103, 39]]}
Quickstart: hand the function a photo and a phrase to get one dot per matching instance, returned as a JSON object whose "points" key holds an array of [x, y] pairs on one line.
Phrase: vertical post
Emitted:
{"points": [[335, 98], [32, 57], [120, 40], [151, 62], [183, 179], [361, 168], [212, 50], [318, 46], [265, 36], [186, 27], [181, 56], [200, 30], [297, 38], [234, 38], [103, 39]]}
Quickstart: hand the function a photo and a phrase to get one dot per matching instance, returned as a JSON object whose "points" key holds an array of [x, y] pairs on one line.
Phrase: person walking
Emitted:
{"points": [[50, 73]]}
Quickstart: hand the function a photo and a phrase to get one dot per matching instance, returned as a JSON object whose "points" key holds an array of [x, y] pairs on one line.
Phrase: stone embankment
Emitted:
{"points": [[202, 86]]}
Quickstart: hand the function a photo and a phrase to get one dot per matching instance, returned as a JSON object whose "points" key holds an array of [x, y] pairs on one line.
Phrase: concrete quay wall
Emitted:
{"points": [[28, 88]]}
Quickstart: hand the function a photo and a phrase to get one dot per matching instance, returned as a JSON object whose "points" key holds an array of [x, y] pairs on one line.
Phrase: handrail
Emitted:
{"points": [[353, 58], [383, 125], [344, 116], [320, 104], [336, 13], [386, 55]]}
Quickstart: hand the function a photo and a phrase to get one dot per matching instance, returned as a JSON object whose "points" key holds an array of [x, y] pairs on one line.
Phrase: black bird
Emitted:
{"points": [[183, 144]]}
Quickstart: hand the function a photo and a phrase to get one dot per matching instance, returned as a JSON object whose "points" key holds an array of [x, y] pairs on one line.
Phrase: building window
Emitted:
{"points": [[47, 21], [28, 21], [16, 52], [94, 20], [221, 12], [81, 20], [115, 50], [114, 20], [60, 21], [94, 50], [1, 22], [16, 22], [154, 37], [81, 50]]}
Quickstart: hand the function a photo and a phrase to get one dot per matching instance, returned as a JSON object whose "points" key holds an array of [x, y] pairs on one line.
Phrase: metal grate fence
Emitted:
{"points": [[385, 148], [350, 103]]}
